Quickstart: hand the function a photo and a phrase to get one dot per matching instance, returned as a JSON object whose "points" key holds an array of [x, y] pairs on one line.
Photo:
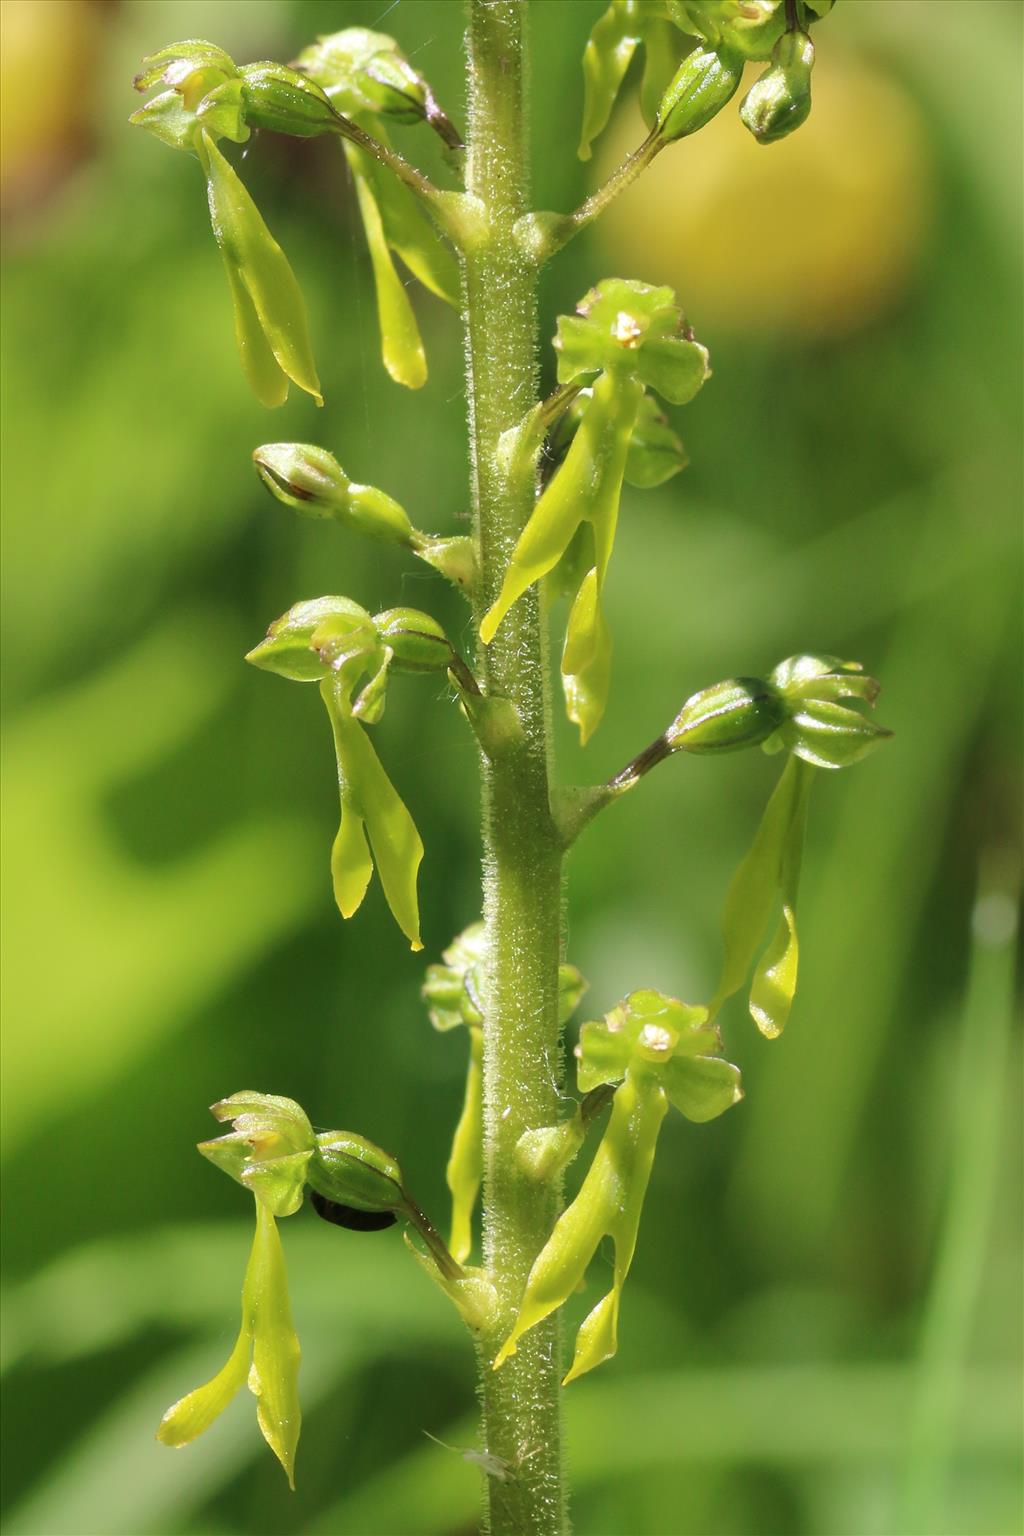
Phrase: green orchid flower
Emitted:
{"points": [[336, 643], [268, 1151], [659, 1052], [630, 336], [819, 732], [207, 99]]}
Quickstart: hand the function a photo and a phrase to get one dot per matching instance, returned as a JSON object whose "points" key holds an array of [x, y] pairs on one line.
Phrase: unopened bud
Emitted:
{"points": [[418, 641], [312, 481], [703, 83], [740, 712], [780, 100]]}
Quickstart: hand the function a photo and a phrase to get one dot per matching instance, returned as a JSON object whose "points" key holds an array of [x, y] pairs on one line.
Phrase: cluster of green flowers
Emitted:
{"points": [[694, 55], [349, 84]]}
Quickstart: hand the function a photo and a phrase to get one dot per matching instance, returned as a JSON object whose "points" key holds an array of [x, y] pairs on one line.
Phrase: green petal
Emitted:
{"points": [[409, 231], [369, 801], [637, 1112], [274, 1377], [586, 659], [585, 488], [253, 254], [264, 375], [464, 1171], [609, 1203], [606, 58], [701, 1087], [401, 343], [193, 1414], [767, 878]]}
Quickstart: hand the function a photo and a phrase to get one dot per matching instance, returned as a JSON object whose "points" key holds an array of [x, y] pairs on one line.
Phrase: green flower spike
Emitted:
{"points": [[208, 98], [366, 77], [659, 1052], [453, 993], [628, 334], [819, 733], [268, 1131]]}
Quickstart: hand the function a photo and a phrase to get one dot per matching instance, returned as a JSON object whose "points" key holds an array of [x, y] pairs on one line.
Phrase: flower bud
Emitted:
{"points": [[349, 1170], [312, 481], [315, 637], [366, 72], [418, 641], [780, 100], [704, 82], [740, 712], [283, 101], [818, 728]]}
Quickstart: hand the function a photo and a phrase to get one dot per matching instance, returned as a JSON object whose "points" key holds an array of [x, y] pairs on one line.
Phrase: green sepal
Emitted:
{"points": [[831, 736], [755, 27], [266, 1356], [191, 68], [587, 659], [655, 451], [353, 1171], [168, 119], [270, 314], [418, 641], [768, 877], [740, 712], [265, 1114], [813, 676], [283, 101], [316, 636], [370, 807], [779, 101], [401, 344], [703, 84]]}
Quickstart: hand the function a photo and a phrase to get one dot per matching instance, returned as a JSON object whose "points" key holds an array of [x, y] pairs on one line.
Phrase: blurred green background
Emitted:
{"points": [[821, 1333]]}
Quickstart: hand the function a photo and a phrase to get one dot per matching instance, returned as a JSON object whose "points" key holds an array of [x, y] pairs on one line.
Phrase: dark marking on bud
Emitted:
{"points": [[350, 1217]]}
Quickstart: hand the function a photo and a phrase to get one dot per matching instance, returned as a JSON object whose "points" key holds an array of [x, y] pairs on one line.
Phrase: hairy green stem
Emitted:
{"points": [[522, 857]]}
